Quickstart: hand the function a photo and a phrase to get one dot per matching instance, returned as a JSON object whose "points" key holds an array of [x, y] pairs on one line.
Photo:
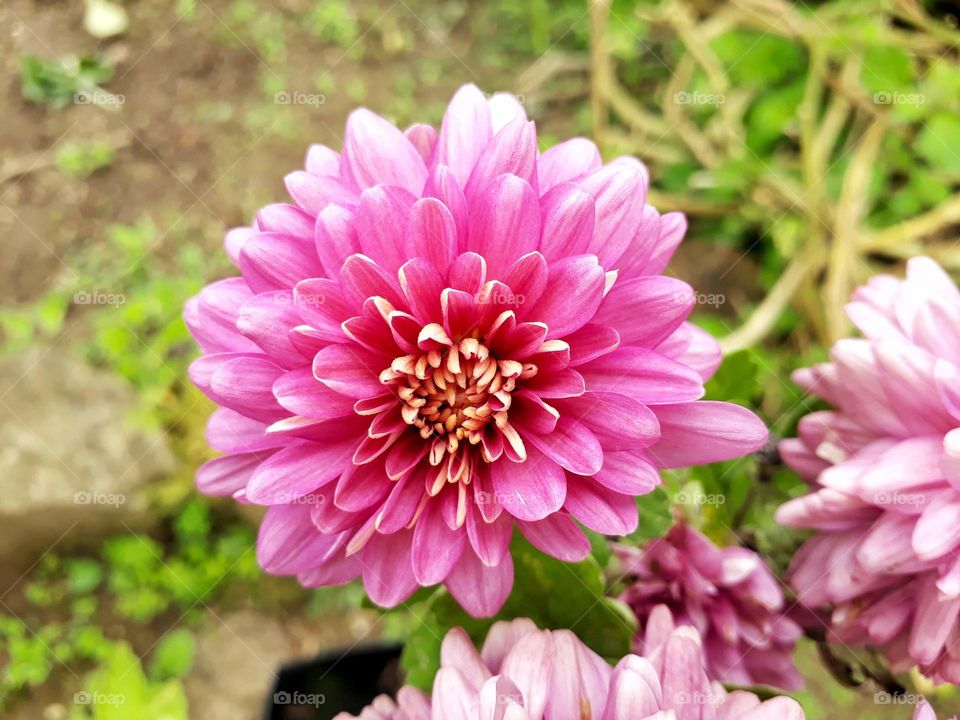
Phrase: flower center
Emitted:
{"points": [[455, 394]]}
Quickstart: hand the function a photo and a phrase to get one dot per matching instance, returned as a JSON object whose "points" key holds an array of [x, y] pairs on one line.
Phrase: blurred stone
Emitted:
{"points": [[71, 465], [239, 656]]}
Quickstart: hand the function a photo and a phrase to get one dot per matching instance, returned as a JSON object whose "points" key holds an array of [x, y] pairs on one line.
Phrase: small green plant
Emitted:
{"points": [[58, 82], [119, 689], [82, 159]]}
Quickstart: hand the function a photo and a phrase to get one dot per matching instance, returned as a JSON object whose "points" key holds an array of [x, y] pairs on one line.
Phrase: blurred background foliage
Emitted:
{"points": [[810, 144]]}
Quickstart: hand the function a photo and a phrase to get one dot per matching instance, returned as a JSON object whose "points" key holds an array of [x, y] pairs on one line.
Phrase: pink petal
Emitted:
{"points": [[361, 487], [646, 310], [267, 319], [512, 151], [567, 161], [321, 160], [223, 476], [600, 509], [591, 341], [432, 233], [272, 261], [288, 542], [424, 139], [627, 473], [387, 569], [285, 219], [619, 192], [644, 375], [376, 153], [348, 371], [245, 384], [436, 548], [479, 589], [705, 432], [557, 535], [381, 219], [335, 235], [571, 445], [572, 296], [618, 421], [302, 394], [490, 540], [313, 193], [567, 221], [938, 529], [465, 132], [530, 490], [297, 470], [504, 222]]}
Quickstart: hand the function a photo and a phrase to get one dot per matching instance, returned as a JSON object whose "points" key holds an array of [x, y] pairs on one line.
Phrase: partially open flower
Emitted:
{"points": [[728, 594], [447, 336], [523, 673], [884, 466]]}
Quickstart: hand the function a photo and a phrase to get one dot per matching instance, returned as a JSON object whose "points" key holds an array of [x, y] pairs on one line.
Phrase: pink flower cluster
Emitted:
{"points": [[729, 595], [523, 673], [449, 335], [884, 466]]}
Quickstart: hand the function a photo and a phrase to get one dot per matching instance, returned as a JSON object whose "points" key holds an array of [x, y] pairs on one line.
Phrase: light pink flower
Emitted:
{"points": [[925, 712], [885, 471], [729, 595], [523, 673], [446, 336]]}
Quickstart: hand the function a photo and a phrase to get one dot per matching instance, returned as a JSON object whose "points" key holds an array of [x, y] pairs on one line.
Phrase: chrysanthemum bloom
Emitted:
{"points": [[885, 471], [447, 335], [524, 673], [729, 595]]}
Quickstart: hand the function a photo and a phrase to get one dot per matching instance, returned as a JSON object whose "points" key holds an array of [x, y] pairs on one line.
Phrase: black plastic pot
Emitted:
{"points": [[333, 682]]}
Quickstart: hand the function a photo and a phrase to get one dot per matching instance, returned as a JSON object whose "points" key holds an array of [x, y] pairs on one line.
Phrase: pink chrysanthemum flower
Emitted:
{"points": [[885, 470], [524, 673], [729, 595], [447, 335]]}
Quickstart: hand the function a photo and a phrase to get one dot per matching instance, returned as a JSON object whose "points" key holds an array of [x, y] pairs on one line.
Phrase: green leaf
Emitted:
{"points": [[887, 70], [173, 656], [756, 59], [770, 116], [83, 575], [118, 690], [735, 379], [551, 593], [655, 516], [939, 142]]}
